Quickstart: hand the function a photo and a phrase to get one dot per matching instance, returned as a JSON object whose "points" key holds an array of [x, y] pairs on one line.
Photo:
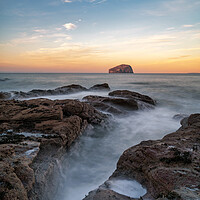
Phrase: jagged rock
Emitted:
{"points": [[33, 137], [167, 168], [5, 95], [120, 102], [103, 194], [84, 110], [121, 69], [57, 91], [103, 86], [132, 95], [112, 105], [179, 117]]}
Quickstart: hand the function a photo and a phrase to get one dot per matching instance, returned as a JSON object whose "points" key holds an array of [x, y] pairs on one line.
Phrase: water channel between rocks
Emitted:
{"points": [[93, 158]]}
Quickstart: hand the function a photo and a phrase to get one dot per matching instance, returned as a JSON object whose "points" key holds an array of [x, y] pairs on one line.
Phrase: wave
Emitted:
{"points": [[4, 79]]}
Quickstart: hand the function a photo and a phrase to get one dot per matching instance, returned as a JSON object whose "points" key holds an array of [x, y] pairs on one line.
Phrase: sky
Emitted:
{"points": [[91, 36]]}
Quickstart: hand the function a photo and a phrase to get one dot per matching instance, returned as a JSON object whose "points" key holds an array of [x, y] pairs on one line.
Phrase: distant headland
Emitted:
{"points": [[121, 69]]}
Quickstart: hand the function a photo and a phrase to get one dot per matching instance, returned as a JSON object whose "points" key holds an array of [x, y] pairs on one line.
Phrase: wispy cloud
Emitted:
{"points": [[179, 57], [67, 1], [172, 6], [40, 31], [89, 1], [188, 25], [70, 26], [65, 53], [170, 28]]}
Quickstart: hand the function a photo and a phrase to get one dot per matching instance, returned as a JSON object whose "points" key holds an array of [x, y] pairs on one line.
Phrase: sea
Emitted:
{"points": [[93, 158]]}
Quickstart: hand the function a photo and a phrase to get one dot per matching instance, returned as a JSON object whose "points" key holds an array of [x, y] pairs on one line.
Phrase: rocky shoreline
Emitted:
{"points": [[69, 89], [168, 168], [36, 133]]}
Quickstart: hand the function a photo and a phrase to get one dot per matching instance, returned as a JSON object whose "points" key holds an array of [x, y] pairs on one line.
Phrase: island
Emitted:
{"points": [[123, 68]]}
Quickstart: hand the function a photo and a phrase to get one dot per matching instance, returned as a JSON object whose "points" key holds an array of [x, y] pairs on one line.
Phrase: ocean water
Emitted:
{"points": [[93, 158]]}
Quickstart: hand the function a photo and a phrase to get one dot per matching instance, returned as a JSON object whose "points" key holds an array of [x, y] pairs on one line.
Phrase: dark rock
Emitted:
{"points": [[120, 102], [179, 117], [194, 120], [5, 95], [103, 86], [70, 89], [83, 110], [105, 107], [167, 168], [4, 79], [112, 105], [121, 69], [58, 91], [132, 95], [28, 162], [103, 194]]}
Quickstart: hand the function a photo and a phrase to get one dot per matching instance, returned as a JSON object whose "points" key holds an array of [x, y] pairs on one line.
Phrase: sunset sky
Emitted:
{"points": [[87, 36]]}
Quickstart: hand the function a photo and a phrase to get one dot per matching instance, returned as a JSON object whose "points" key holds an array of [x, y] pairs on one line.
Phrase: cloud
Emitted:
{"points": [[170, 28], [67, 1], [188, 25], [179, 57], [65, 53], [70, 26], [168, 7], [90, 1], [40, 31]]}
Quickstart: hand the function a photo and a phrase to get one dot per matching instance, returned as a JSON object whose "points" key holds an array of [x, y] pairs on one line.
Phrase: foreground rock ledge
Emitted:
{"points": [[168, 168], [34, 135]]}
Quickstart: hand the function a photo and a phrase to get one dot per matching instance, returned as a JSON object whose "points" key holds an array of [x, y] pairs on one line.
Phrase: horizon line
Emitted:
{"points": [[98, 73]]}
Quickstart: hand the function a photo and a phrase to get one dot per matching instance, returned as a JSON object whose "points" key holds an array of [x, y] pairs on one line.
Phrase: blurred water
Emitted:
{"points": [[179, 91], [94, 156]]}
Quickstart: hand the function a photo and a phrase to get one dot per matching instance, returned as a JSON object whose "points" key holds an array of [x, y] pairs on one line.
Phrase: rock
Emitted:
{"points": [[34, 135], [103, 194], [83, 110], [112, 105], [57, 91], [5, 95], [4, 79], [179, 117], [167, 168], [121, 69], [194, 120], [120, 102], [105, 107], [103, 86], [132, 95]]}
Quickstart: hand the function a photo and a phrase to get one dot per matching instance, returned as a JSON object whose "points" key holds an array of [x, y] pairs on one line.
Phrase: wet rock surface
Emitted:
{"points": [[103, 194], [69, 89], [120, 102], [168, 168], [34, 134], [132, 95], [103, 86]]}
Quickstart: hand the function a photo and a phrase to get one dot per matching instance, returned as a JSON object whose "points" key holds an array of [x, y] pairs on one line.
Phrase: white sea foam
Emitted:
{"points": [[27, 134], [29, 152], [128, 188], [77, 95], [93, 158]]}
